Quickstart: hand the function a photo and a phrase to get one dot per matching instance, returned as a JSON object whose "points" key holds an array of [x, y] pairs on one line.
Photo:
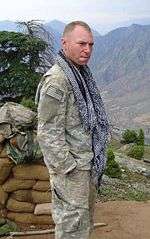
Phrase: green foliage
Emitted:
{"points": [[29, 103], [129, 136], [19, 60], [8, 227], [136, 151], [112, 168], [140, 137]]}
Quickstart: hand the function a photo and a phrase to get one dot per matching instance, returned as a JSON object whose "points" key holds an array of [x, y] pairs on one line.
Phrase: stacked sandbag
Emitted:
{"points": [[25, 195]]}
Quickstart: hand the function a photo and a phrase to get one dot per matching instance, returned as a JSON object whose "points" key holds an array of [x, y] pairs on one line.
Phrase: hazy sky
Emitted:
{"points": [[95, 12]]}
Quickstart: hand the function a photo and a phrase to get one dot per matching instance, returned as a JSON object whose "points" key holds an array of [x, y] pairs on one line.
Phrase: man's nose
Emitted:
{"points": [[88, 48]]}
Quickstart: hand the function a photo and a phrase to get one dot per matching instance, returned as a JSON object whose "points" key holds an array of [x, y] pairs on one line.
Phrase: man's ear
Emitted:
{"points": [[63, 42]]}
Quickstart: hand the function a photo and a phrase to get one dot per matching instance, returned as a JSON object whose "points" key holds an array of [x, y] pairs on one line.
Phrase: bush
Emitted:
{"points": [[129, 136], [112, 168], [140, 137], [136, 151], [29, 103]]}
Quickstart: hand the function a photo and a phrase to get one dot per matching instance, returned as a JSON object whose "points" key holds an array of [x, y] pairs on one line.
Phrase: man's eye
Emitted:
{"points": [[82, 43]]}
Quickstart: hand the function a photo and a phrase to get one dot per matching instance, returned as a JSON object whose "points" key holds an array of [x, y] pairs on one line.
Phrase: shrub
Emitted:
{"points": [[140, 137], [29, 103], [129, 136], [112, 168], [136, 151]]}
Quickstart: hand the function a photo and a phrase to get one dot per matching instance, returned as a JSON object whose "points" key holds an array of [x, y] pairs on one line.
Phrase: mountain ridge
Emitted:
{"points": [[121, 66]]}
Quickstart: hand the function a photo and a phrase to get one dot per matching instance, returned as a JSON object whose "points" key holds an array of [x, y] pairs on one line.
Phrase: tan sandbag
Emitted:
{"points": [[5, 168], [22, 195], [13, 184], [42, 186], [44, 208], [3, 153], [30, 218], [40, 197], [1, 147], [16, 206], [2, 138], [3, 196], [31, 172]]}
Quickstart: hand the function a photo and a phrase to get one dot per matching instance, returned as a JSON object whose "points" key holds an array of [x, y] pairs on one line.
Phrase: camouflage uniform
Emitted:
{"points": [[67, 150]]}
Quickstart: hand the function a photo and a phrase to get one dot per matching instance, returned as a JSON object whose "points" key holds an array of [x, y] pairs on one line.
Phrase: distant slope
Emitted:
{"points": [[121, 64]]}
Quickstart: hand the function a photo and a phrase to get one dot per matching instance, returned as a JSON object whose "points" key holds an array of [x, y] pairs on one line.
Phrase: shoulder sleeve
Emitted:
{"points": [[51, 129]]}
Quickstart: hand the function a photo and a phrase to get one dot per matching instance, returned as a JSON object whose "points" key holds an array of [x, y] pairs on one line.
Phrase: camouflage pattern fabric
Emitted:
{"points": [[67, 150], [63, 140], [18, 122], [73, 198]]}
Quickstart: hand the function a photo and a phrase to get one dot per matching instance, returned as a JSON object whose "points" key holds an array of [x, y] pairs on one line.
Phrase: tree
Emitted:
{"points": [[19, 59], [129, 136], [35, 28], [113, 169], [140, 137]]}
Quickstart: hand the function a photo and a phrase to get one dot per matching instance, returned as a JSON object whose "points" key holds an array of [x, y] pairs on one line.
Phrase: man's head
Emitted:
{"points": [[77, 42]]}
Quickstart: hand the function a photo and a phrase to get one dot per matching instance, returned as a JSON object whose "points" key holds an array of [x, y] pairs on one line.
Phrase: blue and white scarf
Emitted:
{"points": [[91, 110]]}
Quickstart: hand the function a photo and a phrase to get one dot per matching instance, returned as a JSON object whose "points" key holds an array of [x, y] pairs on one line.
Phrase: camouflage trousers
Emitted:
{"points": [[73, 198]]}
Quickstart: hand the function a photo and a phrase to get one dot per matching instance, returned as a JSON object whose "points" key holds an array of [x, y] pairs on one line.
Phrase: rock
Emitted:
{"points": [[33, 171], [146, 160], [44, 208], [30, 218], [40, 197], [42, 186], [16, 206], [13, 184], [133, 165], [146, 174], [5, 168], [3, 197]]}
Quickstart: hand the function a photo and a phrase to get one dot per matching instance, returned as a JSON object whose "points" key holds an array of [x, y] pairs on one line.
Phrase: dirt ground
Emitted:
{"points": [[125, 220]]}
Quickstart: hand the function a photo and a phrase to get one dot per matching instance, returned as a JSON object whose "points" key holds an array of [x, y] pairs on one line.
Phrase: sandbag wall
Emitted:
{"points": [[25, 194]]}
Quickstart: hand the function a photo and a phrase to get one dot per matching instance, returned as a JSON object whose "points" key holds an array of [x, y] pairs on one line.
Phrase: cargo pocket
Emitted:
{"points": [[57, 206], [71, 221]]}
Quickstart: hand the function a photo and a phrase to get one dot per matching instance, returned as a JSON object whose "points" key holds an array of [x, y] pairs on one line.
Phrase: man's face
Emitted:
{"points": [[77, 45]]}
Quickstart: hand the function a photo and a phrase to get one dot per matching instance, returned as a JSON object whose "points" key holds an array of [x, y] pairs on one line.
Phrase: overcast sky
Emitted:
{"points": [[99, 13]]}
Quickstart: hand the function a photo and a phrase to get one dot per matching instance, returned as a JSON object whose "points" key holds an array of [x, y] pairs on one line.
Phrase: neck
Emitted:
{"points": [[72, 62]]}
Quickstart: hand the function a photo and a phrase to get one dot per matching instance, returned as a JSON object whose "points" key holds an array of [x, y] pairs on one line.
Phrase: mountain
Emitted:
{"points": [[8, 26], [121, 63], [56, 25], [121, 66]]}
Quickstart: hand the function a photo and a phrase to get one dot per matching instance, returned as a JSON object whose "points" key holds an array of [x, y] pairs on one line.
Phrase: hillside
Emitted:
{"points": [[121, 63], [121, 66]]}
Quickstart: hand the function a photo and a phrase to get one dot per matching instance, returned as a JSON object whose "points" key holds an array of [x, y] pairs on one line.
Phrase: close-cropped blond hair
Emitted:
{"points": [[70, 27]]}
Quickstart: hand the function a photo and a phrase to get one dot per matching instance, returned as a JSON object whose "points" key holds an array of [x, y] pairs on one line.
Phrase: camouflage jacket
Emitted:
{"points": [[63, 140]]}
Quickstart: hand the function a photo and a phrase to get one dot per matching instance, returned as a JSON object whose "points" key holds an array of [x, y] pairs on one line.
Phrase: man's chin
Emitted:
{"points": [[84, 62]]}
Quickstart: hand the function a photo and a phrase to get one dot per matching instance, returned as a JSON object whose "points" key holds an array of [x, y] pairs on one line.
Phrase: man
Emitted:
{"points": [[72, 132]]}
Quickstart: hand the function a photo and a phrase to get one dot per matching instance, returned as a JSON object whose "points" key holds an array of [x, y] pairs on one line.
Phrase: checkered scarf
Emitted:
{"points": [[91, 110]]}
